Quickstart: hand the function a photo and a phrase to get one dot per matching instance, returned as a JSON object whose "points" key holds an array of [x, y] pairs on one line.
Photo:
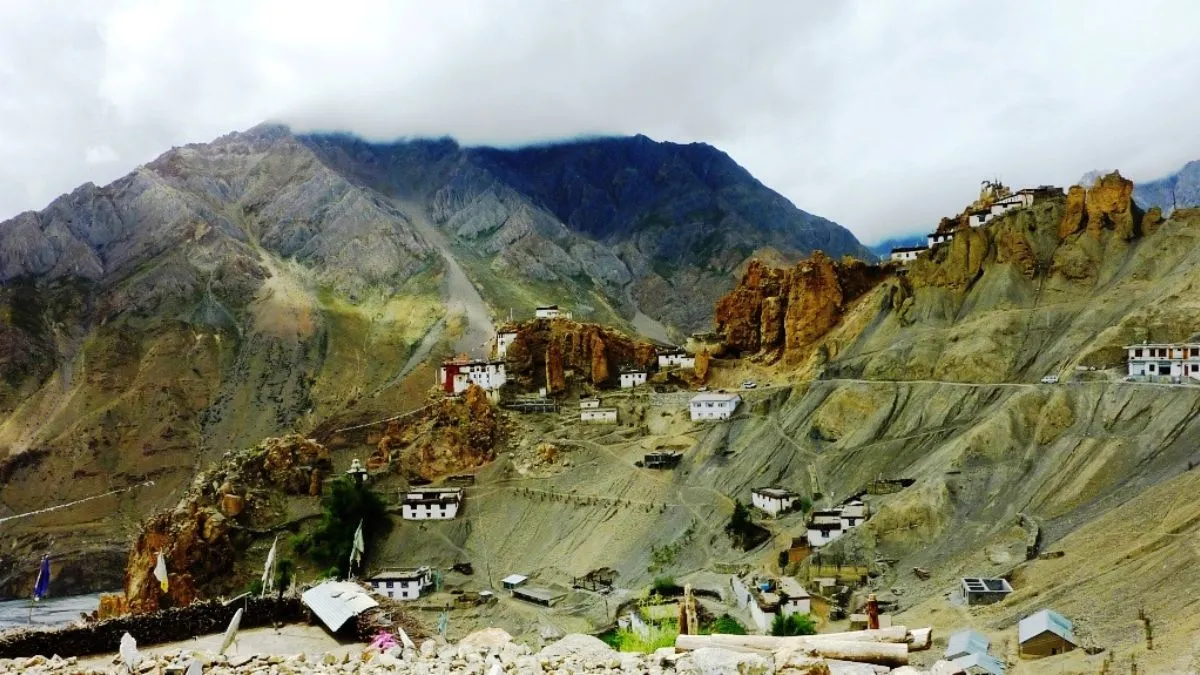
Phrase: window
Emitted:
{"points": [[1137, 353]]}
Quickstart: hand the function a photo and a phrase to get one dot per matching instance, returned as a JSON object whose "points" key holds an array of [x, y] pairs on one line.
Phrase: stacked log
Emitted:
{"points": [[882, 647]]}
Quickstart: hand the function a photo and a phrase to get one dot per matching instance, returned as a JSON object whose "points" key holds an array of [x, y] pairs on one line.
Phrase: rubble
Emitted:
{"points": [[489, 652]]}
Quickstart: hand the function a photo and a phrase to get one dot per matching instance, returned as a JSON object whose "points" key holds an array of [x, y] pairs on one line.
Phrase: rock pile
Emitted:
{"points": [[488, 652]]}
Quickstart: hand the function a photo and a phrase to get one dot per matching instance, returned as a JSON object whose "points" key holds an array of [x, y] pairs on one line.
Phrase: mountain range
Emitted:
{"points": [[263, 282]]}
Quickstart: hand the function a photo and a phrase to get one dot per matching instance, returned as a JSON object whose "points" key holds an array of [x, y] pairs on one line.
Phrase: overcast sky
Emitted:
{"points": [[881, 115]]}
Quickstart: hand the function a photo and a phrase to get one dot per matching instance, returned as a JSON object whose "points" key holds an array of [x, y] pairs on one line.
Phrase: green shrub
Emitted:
{"points": [[793, 624], [727, 625], [347, 505], [664, 585]]}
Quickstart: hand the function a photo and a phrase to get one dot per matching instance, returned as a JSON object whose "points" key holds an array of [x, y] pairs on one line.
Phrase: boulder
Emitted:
{"points": [[710, 661]]}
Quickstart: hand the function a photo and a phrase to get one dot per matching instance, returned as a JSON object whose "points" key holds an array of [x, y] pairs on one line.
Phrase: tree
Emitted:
{"points": [[793, 624], [739, 527], [346, 506]]}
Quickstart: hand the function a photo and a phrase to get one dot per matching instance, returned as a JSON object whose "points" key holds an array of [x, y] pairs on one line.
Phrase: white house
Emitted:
{"points": [[455, 375], [764, 599], [820, 534], [794, 599], [853, 514], [826, 517], [431, 504], [585, 403], [676, 358], [1164, 360], [938, 238], [402, 584], [710, 406], [979, 218], [773, 501], [632, 378], [504, 340], [598, 415], [906, 254], [547, 312]]}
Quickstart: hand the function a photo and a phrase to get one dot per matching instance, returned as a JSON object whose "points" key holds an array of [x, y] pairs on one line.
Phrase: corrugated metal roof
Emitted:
{"points": [[336, 602], [715, 398], [967, 642], [514, 579], [980, 663], [1045, 620]]}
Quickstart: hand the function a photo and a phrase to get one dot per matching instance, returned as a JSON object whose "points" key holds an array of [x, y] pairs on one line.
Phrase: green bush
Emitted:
{"points": [[625, 640], [347, 505], [664, 585], [727, 625], [793, 624]]}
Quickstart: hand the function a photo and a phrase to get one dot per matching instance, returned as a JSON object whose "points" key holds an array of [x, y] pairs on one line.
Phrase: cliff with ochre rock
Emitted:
{"points": [[449, 436], [203, 536], [546, 351], [1107, 205], [785, 311]]}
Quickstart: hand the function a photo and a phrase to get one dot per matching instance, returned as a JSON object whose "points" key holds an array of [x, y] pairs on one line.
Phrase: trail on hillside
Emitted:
{"points": [[459, 294]]}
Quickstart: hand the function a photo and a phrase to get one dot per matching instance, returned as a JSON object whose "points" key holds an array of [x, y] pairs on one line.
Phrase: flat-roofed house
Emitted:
{"points": [[1045, 633], [455, 375], [713, 406], [431, 503], [598, 415], [402, 584], [675, 358], [979, 591], [773, 500], [547, 312], [632, 377]]}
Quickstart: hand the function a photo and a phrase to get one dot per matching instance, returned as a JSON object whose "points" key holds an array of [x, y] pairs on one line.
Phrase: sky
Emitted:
{"points": [[883, 116]]}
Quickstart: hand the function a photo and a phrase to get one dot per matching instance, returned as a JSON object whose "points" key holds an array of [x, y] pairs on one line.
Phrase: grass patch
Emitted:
{"points": [[628, 640]]}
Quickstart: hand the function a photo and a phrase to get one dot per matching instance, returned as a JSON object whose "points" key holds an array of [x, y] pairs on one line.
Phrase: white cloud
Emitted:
{"points": [[882, 116], [100, 154]]}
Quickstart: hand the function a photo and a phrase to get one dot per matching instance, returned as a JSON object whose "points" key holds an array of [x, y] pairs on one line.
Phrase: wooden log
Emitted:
{"points": [[881, 653], [920, 639]]}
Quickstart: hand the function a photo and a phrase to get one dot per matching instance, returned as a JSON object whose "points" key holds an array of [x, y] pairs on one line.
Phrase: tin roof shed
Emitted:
{"points": [[336, 602], [966, 642], [1045, 621], [979, 664]]}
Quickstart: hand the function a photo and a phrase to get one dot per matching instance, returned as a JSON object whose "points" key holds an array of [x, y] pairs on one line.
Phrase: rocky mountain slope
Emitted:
{"points": [[1175, 191], [266, 282]]}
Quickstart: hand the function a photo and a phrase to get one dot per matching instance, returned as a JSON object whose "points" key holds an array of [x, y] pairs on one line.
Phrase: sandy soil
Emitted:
{"points": [[286, 641]]}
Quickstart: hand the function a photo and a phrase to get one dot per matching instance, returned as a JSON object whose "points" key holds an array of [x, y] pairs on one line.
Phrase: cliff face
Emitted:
{"points": [[202, 537], [1107, 205], [452, 435], [544, 351], [784, 312]]}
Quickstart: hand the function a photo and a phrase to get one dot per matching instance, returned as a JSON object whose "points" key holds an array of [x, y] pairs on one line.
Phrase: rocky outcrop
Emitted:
{"points": [[546, 352], [451, 435], [204, 535], [784, 312], [955, 265], [1106, 205]]}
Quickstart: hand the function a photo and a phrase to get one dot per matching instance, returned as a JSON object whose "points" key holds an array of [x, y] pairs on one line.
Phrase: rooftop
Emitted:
{"points": [[715, 397], [977, 585], [537, 593], [775, 492], [967, 642], [400, 574], [336, 602], [984, 662], [1046, 620], [792, 588], [908, 249], [514, 579]]}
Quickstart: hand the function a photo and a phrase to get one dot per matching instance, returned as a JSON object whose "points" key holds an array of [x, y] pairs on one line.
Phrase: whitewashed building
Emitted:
{"points": [[764, 599], [598, 415], [585, 403], [853, 514], [820, 534], [1164, 360], [504, 340], [547, 312], [402, 584], [939, 238], [676, 358], [906, 254], [632, 378], [455, 375], [431, 504], [710, 406], [773, 501]]}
